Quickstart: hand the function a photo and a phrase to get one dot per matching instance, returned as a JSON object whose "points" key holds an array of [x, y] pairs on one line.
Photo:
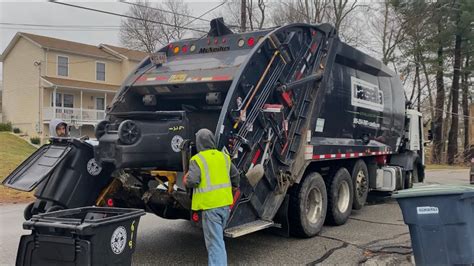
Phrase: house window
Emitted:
{"points": [[68, 101], [63, 100], [63, 66], [59, 99], [100, 71]]}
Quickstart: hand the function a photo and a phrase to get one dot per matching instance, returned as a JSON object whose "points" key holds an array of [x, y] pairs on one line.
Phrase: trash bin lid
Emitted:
{"points": [[433, 190]]}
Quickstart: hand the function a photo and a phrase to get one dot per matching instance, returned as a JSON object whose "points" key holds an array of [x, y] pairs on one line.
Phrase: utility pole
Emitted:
{"points": [[40, 97], [243, 15]]}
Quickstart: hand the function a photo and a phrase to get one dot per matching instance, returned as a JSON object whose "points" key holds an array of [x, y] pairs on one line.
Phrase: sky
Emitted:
{"points": [[47, 13]]}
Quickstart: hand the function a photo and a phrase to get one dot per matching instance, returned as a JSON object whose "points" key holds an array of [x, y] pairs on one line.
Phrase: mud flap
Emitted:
{"points": [[281, 219], [37, 167]]}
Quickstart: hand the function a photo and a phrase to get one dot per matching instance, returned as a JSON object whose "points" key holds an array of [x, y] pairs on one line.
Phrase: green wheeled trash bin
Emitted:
{"points": [[441, 223], [81, 236]]}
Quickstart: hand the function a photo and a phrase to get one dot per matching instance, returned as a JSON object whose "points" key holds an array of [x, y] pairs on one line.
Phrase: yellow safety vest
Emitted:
{"points": [[215, 189]]}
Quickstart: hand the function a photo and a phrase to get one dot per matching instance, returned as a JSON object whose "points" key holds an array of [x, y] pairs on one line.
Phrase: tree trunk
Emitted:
{"points": [[447, 122], [465, 108], [437, 126], [428, 85], [243, 15], [418, 106], [453, 132]]}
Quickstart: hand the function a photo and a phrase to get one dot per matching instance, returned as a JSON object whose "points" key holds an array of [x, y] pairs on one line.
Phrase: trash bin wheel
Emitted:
{"points": [[129, 132], [408, 181], [28, 211], [340, 196], [308, 206], [360, 178]]}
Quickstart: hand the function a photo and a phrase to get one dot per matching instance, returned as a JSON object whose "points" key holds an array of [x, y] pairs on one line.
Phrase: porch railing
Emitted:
{"points": [[76, 115]]}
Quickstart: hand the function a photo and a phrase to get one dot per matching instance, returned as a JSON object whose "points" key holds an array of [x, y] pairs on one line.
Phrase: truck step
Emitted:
{"points": [[247, 228]]}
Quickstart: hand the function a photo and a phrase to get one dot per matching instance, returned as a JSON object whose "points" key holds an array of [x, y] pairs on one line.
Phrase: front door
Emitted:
{"points": [[100, 106]]}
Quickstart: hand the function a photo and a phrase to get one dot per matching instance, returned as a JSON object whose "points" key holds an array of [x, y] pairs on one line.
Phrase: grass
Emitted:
{"points": [[13, 151]]}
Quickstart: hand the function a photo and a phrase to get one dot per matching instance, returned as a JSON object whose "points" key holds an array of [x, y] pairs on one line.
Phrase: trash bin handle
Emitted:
{"points": [[54, 225]]}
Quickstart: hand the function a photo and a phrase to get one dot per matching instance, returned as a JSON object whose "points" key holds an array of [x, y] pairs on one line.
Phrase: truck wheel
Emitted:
{"points": [[360, 178], [308, 206], [340, 197]]}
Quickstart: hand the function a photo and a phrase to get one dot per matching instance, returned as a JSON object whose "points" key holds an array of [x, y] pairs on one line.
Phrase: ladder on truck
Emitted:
{"points": [[267, 123]]}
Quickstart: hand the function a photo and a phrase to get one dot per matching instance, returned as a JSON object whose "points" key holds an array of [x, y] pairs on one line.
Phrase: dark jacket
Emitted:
{"points": [[205, 141]]}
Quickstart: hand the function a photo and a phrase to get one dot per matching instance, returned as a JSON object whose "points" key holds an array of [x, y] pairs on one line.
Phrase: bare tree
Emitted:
{"points": [[256, 14], [253, 16], [339, 13], [147, 33], [387, 28], [313, 12], [340, 10]]}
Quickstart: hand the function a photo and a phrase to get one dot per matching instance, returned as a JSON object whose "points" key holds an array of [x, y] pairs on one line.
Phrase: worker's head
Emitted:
{"points": [[58, 128], [205, 140], [61, 130]]}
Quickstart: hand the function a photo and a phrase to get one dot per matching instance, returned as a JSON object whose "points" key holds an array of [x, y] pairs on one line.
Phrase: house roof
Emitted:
{"points": [[128, 53], [77, 84], [73, 47]]}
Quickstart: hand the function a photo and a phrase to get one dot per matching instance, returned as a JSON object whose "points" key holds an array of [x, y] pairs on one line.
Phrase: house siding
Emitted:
{"points": [[83, 68], [21, 86], [27, 98]]}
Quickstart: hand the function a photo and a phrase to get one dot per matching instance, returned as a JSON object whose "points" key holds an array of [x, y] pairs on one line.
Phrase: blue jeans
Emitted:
{"points": [[213, 223]]}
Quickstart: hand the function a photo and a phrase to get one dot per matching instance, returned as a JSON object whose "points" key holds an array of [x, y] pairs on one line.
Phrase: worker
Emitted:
{"points": [[58, 128], [213, 178]]}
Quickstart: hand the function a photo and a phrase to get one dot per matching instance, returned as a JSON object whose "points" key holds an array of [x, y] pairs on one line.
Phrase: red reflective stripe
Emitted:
{"points": [[298, 76], [236, 197], [221, 77], [255, 157], [347, 155], [161, 78]]}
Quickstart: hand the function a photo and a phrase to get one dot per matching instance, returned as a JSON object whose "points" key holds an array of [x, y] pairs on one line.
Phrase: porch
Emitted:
{"points": [[73, 115], [76, 102]]}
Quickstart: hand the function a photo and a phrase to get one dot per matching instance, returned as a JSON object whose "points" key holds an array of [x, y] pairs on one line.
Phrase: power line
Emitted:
{"points": [[166, 11], [59, 26], [86, 27], [207, 12], [125, 16]]}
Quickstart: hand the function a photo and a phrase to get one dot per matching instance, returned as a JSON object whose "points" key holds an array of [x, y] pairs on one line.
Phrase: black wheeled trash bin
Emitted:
{"points": [[441, 222], [81, 236]]}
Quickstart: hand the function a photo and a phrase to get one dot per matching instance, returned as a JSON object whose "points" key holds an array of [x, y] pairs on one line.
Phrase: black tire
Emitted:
{"points": [[360, 178], [28, 211], [340, 197], [409, 177], [307, 220]]}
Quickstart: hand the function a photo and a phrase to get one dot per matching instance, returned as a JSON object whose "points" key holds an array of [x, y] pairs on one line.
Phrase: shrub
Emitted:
{"points": [[35, 140], [6, 126], [16, 130]]}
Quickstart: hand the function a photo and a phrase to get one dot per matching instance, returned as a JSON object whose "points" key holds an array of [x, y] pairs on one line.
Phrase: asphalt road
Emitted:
{"points": [[376, 234]]}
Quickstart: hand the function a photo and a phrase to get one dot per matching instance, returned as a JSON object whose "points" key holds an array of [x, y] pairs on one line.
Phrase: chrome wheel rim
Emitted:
{"points": [[315, 205], [343, 197]]}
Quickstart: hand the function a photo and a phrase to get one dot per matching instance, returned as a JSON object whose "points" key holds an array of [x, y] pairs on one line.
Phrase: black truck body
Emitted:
{"points": [[311, 110]]}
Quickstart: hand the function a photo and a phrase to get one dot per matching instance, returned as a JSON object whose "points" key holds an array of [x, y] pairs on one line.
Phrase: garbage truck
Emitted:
{"points": [[326, 123]]}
